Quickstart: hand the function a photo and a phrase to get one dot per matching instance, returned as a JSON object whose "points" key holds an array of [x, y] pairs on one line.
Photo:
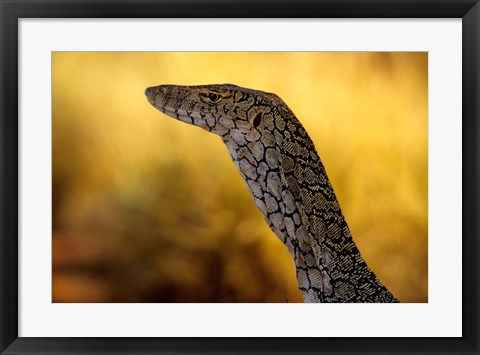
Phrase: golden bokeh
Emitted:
{"points": [[149, 209]]}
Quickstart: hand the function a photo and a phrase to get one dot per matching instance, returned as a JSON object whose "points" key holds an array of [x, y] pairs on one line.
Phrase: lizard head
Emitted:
{"points": [[230, 111]]}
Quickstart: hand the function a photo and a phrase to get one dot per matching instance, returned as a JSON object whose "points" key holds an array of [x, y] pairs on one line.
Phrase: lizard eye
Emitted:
{"points": [[214, 98], [211, 98]]}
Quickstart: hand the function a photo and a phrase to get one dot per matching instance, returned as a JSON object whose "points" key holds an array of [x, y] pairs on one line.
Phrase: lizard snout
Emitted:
{"points": [[150, 93]]}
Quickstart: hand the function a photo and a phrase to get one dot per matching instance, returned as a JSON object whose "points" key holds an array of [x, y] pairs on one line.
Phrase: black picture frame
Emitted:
{"points": [[12, 10]]}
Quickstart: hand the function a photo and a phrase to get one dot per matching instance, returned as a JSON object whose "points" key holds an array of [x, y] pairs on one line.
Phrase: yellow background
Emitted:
{"points": [[149, 209]]}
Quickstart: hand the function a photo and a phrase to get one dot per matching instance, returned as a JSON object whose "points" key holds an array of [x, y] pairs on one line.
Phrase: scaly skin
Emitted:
{"points": [[287, 180]]}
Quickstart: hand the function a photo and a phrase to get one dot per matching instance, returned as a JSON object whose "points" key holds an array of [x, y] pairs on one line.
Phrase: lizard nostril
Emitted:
{"points": [[149, 92]]}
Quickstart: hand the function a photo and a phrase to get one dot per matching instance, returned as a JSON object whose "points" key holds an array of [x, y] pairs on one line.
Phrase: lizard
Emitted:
{"points": [[288, 181]]}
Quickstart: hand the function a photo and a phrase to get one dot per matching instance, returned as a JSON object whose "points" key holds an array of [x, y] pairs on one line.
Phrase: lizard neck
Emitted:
{"points": [[290, 187]]}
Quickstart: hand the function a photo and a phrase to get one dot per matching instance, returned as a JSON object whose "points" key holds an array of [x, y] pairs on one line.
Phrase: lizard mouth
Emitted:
{"points": [[183, 115], [157, 100]]}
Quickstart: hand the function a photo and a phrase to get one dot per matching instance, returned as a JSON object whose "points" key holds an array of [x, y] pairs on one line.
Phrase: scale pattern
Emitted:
{"points": [[287, 180]]}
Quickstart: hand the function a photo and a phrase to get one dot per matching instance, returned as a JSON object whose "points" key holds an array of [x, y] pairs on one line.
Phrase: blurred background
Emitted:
{"points": [[149, 209]]}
